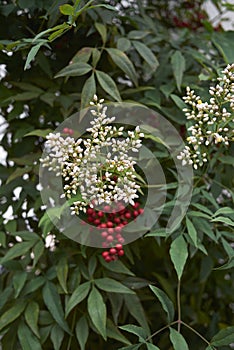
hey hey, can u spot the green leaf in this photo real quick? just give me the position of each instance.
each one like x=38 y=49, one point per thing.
x=135 y=308
x=224 y=220
x=18 y=173
x=178 y=101
x=108 y=85
x=124 y=63
x=74 y=69
x=191 y=231
x=224 y=211
x=57 y=335
x=131 y=347
x=17 y=250
x=39 y=132
x=12 y=314
x=165 y=302
x=113 y=333
x=77 y=296
x=224 y=44
x=82 y=332
x=19 y=280
x=110 y=285
x=151 y=346
x=223 y=337
x=32 y=53
x=179 y=254
x=228 y=265
x=139 y=331
x=178 y=340
x=27 y=339
x=146 y=54
x=117 y=267
x=67 y=10
x=62 y=272
x=38 y=251
x=97 y=311
x=31 y=316
x=102 y=31
x=123 y=44
x=138 y=34
x=178 y=67
x=88 y=91
x=53 y=302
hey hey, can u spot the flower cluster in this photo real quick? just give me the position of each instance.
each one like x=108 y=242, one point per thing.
x=98 y=170
x=210 y=122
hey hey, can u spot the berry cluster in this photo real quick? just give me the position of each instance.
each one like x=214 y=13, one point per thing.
x=68 y=131
x=111 y=225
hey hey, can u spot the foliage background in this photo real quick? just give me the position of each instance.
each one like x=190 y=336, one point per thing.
x=64 y=296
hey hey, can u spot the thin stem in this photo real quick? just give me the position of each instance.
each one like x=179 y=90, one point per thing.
x=179 y=305
x=72 y=328
x=161 y=329
x=197 y=333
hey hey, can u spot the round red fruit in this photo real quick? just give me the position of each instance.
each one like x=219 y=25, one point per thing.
x=109 y=224
x=121 y=252
x=109 y=238
x=128 y=215
x=104 y=234
x=103 y=225
x=100 y=214
x=113 y=251
x=119 y=246
x=108 y=259
x=105 y=254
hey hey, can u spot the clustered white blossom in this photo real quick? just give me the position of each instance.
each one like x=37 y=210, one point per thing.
x=98 y=170
x=211 y=122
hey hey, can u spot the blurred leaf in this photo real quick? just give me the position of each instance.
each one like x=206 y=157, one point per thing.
x=27 y=339
x=102 y=31
x=224 y=220
x=18 y=173
x=74 y=69
x=97 y=311
x=191 y=231
x=225 y=44
x=17 y=250
x=62 y=272
x=39 y=132
x=19 y=281
x=123 y=62
x=12 y=314
x=31 y=316
x=57 y=335
x=123 y=44
x=223 y=337
x=165 y=302
x=32 y=53
x=146 y=54
x=88 y=91
x=135 y=308
x=113 y=333
x=152 y=346
x=79 y=294
x=54 y=305
x=139 y=331
x=179 y=254
x=178 y=67
x=110 y=285
x=66 y=9
x=108 y=85
x=38 y=251
x=178 y=340
x=82 y=332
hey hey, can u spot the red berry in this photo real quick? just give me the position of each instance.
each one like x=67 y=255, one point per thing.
x=121 y=240
x=71 y=132
x=108 y=259
x=121 y=252
x=89 y=211
x=103 y=225
x=109 y=238
x=136 y=205
x=125 y=223
x=104 y=234
x=109 y=224
x=100 y=214
x=105 y=254
x=66 y=130
x=110 y=231
x=90 y=219
x=128 y=215
x=141 y=211
x=119 y=246
x=107 y=208
x=104 y=245
x=117 y=220
x=97 y=222
x=118 y=229
x=113 y=251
